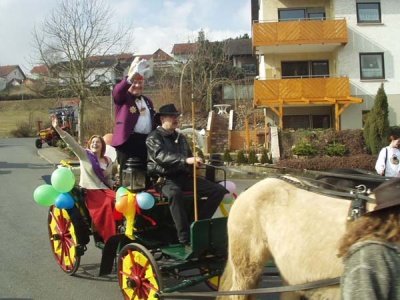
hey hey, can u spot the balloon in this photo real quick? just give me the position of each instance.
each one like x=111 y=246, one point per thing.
x=64 y=201
x=229 y=185
x=63 y=180
x=122 y=204
x=120 y=192
x=111 y=152
x=145 y=200
x=228 y=198
x=45 y=195
x=108 y=138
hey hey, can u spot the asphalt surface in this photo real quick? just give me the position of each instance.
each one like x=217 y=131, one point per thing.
x=54 y=155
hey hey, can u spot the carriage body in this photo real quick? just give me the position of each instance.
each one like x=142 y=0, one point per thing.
x=141 y=264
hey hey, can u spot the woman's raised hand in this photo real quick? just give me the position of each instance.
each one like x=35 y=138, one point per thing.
x=54 y=120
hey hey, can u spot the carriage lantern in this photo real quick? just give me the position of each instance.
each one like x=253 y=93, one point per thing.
x=134 y=176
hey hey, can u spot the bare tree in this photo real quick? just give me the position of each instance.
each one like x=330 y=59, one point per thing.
x=69 y=38
x=209 y=68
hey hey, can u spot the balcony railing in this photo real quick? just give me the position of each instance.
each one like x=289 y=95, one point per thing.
x=302 y=91
x=299 y=32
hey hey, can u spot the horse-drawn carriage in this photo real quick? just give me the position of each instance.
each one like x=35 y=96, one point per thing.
x=151 y=253
x=296 y=223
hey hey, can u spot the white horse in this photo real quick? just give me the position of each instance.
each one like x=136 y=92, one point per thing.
x=299 y=229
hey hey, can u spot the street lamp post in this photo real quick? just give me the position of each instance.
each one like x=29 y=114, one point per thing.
x=180 y=84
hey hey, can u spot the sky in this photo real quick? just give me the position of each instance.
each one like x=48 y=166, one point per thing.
x=155 y=24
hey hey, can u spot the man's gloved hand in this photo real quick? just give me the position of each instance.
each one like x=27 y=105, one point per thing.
x=138 y=67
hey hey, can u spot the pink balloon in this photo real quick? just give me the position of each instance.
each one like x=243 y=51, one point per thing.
x=229 y=185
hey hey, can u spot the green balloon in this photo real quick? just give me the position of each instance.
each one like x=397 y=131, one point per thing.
x=63 y=180
x=120 y=192
x=45 y=195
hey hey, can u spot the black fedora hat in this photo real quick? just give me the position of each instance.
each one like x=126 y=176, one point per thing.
x=387 y=194
x=166 y=110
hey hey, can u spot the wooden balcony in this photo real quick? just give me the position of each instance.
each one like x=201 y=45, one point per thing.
x=278 y=93
x=319 y=91
x=300 y=32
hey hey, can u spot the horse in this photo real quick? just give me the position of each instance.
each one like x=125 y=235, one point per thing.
x=298 y=228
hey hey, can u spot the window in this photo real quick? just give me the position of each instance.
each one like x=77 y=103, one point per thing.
x=316 y=16
x=249 y=69
x=100 y=78
x=307 y=122
x=292 y=14
x=242 y=92
x=372 y=66
x=368 y=12
x=321 y=121
x=295 y=14
x=319 y=68
x=296 y=122
x=305 y=69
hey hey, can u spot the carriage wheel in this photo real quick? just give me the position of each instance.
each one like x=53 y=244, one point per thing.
x=224 y=207
x=213 y=282
x=63 y=240
x=54 y=141
x=138 y=274
x=38 y=143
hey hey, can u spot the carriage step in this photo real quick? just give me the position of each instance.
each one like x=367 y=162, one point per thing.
x=177 y=251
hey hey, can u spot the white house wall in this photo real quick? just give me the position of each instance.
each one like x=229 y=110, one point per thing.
x=370 y=38
x=14 y=74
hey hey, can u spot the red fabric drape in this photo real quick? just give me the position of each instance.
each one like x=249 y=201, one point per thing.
x=100 y=204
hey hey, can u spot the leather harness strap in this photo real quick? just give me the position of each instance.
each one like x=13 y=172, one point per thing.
x=280 y=289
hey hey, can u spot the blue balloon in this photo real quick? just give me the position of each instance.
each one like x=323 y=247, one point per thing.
x=64 y=201
x=145 y=200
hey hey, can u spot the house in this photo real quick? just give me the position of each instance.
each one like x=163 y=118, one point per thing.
x=110 y=69
x=107 y=69
x=182 y=52
x=3 y=83
x=40 y=73
x=12 y=75
x=322 y=62
x=240 y=54
x=159 y=61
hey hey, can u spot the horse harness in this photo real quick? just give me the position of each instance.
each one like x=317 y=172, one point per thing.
x=358 y=196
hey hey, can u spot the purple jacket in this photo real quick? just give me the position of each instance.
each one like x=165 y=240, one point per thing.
x=125 y=117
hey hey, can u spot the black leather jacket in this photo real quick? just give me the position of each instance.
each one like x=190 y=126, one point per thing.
x=167 y=152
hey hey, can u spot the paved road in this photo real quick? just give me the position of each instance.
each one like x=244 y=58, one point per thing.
x=28 y=269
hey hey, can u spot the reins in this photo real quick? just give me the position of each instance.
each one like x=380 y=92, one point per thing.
x=272 y=290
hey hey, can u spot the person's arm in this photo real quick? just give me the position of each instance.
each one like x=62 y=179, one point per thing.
x=158 y=153
x=120 y=92
x=368 y=274
x=138 y=67
x=380 y=164
x=79 y=151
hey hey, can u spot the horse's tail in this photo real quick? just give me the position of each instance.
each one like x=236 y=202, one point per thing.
x=225 y=283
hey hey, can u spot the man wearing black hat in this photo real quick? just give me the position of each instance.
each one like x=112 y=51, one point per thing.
x=170 y=157
x=371 y=249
